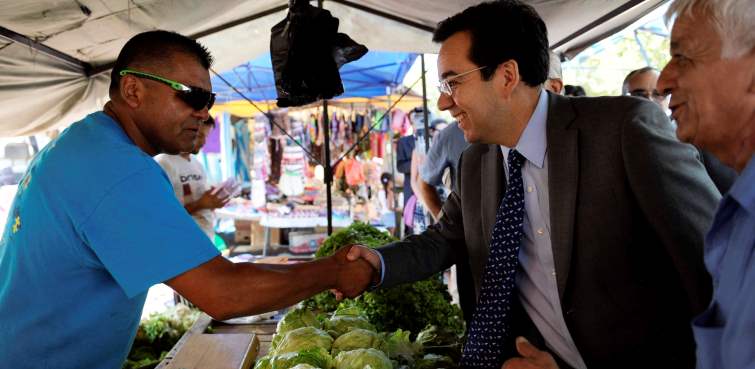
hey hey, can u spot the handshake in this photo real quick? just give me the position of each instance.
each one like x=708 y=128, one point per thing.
x=358 y=268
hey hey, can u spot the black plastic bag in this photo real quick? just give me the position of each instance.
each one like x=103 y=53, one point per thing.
x=306 y=51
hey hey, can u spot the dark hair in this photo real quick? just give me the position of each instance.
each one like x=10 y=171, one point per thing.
x=385 y=178
x=570 y=90
x=210 y=122
x=156 y=47
x=625 y=85
x=502 y=31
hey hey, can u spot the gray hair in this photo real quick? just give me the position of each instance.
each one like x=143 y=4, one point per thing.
x=733 y=19
x=625 y=85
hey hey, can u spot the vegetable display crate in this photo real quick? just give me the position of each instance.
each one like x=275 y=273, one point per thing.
x=210 y=344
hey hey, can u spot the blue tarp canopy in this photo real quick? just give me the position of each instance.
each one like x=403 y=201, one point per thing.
x=367 y=77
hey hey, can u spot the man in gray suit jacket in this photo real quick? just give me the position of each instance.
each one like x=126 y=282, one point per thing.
x=610 y=267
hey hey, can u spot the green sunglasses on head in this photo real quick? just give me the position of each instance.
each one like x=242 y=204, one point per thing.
x=196 y=97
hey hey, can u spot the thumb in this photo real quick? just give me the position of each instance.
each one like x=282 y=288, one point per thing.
x=355 y=252
x=526 y=349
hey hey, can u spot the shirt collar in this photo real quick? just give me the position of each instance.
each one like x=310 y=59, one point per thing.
x=533 y=143
x=743 y=189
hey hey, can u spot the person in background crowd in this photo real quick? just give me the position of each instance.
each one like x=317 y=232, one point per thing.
x=555 y=81
x=95 y=224
x=711 y=79
x=576 y=91
x=642 y=83
x=189 y=180
x=576 y=224
x=404 y=150
x=387 y=199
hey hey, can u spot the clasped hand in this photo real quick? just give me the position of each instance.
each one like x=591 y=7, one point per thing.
x=359 y=269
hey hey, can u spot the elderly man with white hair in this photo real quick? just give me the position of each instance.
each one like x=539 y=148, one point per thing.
x=711 y=78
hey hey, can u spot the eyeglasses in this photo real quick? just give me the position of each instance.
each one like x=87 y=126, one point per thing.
x=647 y=94
x=196 y=97
x=447 y=85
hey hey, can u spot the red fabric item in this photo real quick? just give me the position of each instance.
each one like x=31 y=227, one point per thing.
x=354 y=173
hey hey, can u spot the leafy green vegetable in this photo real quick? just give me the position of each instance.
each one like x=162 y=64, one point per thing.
x=340 y=324
x=356 y=339
x=399 y=347
x=432 y=361
x=356 y=233
x=304 y=366
x=297 y=318
x=361 y=358
x=317 y=357
x=410 y=306
x=438 y=341
x=264 y=362
x=304 y=338
x=157 y=334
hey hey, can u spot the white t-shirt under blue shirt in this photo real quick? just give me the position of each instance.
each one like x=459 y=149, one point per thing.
x=94 y=224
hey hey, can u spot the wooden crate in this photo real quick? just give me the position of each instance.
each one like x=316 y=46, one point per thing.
x=217 y=350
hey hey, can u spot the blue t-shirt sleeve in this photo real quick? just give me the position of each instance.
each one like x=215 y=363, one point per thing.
x=436 y=161
x=142 y=234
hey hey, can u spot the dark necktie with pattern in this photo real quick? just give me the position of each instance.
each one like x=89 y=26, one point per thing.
x=490 y=323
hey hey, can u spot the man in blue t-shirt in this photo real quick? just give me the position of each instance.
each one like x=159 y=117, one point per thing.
x=95 y=223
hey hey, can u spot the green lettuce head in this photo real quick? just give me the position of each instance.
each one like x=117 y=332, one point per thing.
x=297 y=318
x=304 y=366
x=362 y=358
x=355 y=339
x=316 y=357
x=263 y=363
x=398 y=346
x=340 y=324
x=432 y=361
x=304 y=338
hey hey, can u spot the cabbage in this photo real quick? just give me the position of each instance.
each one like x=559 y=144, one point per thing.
x=263 y=363
x=432 y=361
x=398 y=346
x=277 y=338
x=340 y=324
x=363 y=358
x=304 y=366
x=304 y=338
x=316 y=357
x=356 y=339
x=297 y=318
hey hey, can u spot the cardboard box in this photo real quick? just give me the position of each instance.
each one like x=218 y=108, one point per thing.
x=301 y=242
x=243 y=233
x=258 y=235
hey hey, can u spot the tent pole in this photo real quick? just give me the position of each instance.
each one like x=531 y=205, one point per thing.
x=328 y=167
x=424 y=104
x=396 y=229
x=10 y=35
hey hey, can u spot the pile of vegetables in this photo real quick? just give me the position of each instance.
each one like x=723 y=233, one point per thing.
x=374 y=330
x=410 y=306
x=345 y=339
x=158 y=334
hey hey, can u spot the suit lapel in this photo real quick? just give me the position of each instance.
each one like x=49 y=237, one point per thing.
x=563 y=174
x=493 y=187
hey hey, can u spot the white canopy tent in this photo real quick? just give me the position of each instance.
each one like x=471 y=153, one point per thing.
x=55 y=55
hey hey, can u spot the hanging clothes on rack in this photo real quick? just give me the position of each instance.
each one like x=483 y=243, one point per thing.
x=276 y=143
x=293 y=170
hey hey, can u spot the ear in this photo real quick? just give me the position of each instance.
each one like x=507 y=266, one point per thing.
x=555 y=85
x=132 y=91
x=506 y=78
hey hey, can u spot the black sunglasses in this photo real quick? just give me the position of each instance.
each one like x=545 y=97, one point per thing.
x=196 y=97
